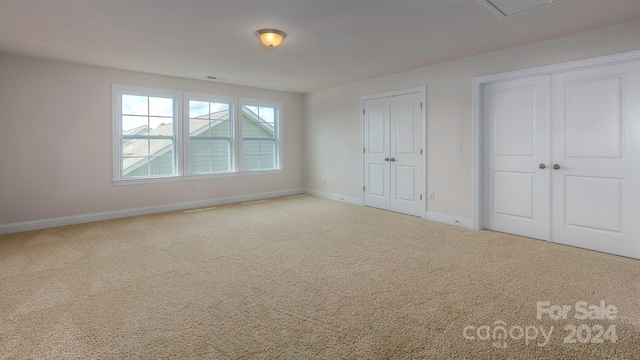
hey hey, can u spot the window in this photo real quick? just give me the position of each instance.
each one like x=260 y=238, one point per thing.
x=154 y=139
x=210 y=136
x=146 y=133
x=259 y=137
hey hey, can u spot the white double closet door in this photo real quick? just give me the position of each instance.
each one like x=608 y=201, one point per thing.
x=561 y=158
x=393 y=135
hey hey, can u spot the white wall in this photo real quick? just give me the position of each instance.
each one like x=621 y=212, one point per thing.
x=56 y=146
x=332 y=117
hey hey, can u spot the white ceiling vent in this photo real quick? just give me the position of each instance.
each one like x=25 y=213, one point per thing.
x=504 y=8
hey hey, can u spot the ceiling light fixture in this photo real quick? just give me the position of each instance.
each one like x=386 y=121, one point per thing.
x=271 y=37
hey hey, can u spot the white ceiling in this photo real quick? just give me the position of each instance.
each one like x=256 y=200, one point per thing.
x=329 y=42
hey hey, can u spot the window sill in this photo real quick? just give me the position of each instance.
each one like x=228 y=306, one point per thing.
x=121 y=182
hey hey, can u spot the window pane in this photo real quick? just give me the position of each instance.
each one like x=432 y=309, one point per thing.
x=266 y=121
x=160 y=147
x=162 y=165
x=264 y=113
x=250 y=147
x=220 y=163
x=267 y=147
x=221 y=128
x=208 y=110
x=209 y=155
x=160 y=106
x=250 y=128
x=199 y=127
x=207 y=147
x=161 y=126
x=209 y=128
x=209 y=119
x=140 y=169
x=135 y=125
x=135 y=105
x=267 y=162
x=135 y=147
x=250 y=162
x=251 y=110
x=210 y=164
x=200 y=147
x=200 y=164
x=199 y=109
x=220 y=147
x=219 y=109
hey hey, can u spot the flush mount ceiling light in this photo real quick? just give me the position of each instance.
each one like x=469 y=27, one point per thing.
x=271 y=37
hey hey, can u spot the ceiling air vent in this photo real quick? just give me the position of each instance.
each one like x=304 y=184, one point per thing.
x=505 y=8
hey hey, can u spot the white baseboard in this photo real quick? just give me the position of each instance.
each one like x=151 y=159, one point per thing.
x=78 y=219
x=448 y=219
x=350 y=200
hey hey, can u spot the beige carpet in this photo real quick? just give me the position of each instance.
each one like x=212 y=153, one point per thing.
x=304 y=278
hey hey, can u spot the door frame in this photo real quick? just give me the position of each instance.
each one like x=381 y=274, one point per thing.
x=422 y=90
x=477 y=85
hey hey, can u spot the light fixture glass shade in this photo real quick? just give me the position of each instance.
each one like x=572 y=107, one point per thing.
x=271 y=37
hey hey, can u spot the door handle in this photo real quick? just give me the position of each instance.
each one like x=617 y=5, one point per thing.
x=386 y=159
x=543 y=166
x=393 y=159
x=556 y=166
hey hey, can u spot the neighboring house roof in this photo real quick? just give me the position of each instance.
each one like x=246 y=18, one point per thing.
x=141 y=148
x=198 y=127
x=136 y=152
x=140 y=130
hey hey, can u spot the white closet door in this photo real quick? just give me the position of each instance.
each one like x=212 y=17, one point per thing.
x=596 y=145
x=406 y=160
x=377 y=166
x=516 y=157
x=393 y=130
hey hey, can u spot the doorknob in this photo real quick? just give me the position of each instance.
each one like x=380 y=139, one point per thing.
x=393 y=159
x=386 y=159
x=556 y=166
x=543 y=166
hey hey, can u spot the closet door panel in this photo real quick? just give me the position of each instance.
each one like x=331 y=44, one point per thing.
x=516 y=157
x=377 y=140
x=596 y=202
x=406 y=160
x=593 y=117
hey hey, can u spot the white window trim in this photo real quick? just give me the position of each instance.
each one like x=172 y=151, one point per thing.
x=117 y=91
x=276 y=131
